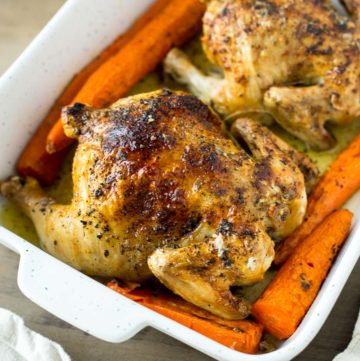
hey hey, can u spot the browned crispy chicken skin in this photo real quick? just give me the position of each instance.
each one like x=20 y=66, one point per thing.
x=298 y=60
x=160 y=190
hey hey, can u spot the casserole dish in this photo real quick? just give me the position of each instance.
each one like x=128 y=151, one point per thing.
x=76 y=34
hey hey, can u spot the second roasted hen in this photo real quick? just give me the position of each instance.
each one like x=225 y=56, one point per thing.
x=160 y=190
x=298 y=60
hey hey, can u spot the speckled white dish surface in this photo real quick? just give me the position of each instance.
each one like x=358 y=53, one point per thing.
x=79 y=31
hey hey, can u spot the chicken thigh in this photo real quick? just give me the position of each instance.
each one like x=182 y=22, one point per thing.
x=296 y=60
x=159 y=189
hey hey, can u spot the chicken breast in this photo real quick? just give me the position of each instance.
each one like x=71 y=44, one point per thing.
x=159 y=189
x=298 y=61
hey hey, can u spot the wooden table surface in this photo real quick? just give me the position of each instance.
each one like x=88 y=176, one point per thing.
x=20 y=20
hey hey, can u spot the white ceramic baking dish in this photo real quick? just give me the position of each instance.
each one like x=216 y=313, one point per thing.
x=79 y=31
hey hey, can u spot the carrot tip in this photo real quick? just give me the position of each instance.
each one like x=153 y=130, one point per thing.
x=50 y=148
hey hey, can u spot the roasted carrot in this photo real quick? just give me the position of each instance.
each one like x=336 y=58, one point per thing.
x=290 y=294
x=35 y=161
x=178 y=22
x=337 y=185
x=242 y=336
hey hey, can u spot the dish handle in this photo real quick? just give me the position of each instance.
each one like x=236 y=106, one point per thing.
x=71 y=295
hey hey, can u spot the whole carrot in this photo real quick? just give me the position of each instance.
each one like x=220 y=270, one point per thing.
x=241 y=335
x=35 y=161
x=289 y=295
x=336 y=186
x=178 y=22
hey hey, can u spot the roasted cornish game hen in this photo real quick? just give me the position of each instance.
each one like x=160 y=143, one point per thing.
x=159 y=189
x=298 y=60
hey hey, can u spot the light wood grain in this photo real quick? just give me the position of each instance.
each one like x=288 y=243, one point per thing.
x=20 y=21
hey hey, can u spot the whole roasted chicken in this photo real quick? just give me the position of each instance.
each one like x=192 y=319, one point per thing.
x=159 y=189
x=297 y=60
